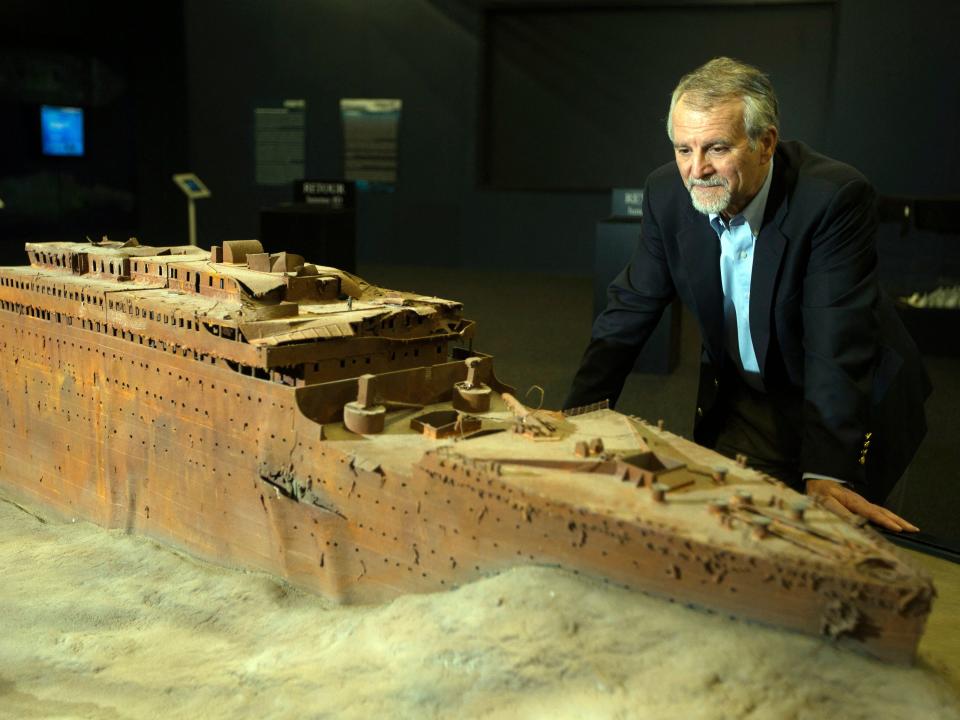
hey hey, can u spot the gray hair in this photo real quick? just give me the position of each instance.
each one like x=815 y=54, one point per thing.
x=723 y=79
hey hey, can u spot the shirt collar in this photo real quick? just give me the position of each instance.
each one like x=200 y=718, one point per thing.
x=752 y=214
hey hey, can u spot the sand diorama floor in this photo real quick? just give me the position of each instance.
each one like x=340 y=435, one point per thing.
x=98 y=624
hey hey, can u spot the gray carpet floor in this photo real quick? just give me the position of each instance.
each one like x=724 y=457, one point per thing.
x=536 y=327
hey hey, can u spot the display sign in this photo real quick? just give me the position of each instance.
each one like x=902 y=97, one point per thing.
x=370 y=139
x=627 y=202
x=280 y=142
x=336 y=194
x=191 y=186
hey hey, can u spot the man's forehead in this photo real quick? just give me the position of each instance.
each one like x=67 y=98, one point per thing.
x=724 y=118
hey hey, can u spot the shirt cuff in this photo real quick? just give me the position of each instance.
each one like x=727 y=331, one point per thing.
x=817 y=476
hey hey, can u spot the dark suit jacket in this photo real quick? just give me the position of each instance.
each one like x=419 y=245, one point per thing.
x=826 y=338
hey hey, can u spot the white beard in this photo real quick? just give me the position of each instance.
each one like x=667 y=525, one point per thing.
x=717 y=202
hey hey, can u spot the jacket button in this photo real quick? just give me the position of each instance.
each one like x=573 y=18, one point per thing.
x=699 y=412
x=716 y=383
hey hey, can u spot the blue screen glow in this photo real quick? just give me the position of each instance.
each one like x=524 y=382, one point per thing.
x=61 y=129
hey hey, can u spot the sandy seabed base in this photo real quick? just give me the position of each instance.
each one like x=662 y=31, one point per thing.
x=99 y=624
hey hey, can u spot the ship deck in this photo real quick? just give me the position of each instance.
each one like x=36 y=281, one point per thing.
x=531 y=465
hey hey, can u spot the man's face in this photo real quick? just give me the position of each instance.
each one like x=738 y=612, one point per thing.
x=715 y=159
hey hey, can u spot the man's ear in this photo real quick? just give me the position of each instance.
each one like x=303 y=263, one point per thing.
x=768 y=143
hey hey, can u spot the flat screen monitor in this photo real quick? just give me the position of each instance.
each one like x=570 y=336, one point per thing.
x=61 y=130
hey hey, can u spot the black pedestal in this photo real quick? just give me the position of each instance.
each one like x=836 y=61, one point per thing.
x=323 y=236
x=616 y=241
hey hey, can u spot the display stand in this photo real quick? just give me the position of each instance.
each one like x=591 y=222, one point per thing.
x=195 y=190
x=320 y=225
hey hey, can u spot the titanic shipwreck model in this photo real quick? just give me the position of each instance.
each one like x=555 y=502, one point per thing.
x=260 y=411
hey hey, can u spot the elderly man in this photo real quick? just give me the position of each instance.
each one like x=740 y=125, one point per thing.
x=806 y=367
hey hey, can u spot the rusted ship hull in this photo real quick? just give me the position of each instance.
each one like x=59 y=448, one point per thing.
x=255 y=474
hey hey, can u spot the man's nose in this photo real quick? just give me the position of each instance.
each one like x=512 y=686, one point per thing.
x=700 y=167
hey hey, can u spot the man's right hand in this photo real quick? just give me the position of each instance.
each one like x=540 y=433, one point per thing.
x=846 y=503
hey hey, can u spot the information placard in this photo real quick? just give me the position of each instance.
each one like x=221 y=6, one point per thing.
x=280 y=142
x=370 y=137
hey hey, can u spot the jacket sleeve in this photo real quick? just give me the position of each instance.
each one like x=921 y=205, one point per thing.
x=840 y=335
x=635 y=301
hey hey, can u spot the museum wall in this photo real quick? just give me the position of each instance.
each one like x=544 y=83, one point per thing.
x=172 y=87
x=889 y=109
x=246 y=54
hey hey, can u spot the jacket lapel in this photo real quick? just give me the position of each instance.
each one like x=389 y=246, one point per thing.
x=700 y=250
x=767 y=259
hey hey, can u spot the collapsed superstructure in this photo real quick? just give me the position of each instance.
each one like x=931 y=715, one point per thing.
x=261 y=411
x=259 y=314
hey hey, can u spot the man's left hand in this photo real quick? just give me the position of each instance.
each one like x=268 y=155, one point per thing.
x=846 y=503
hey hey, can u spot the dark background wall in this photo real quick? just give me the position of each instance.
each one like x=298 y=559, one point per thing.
x=868 y=82
x=553 y=75
x=888 y=107
x=124 y=66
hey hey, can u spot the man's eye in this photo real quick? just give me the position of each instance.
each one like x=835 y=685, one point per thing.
x=682 y=151
x=719 y=149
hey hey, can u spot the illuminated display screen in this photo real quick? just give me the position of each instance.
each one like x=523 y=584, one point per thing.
x=61 y=130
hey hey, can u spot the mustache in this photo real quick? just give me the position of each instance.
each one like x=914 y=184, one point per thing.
x=715 y=181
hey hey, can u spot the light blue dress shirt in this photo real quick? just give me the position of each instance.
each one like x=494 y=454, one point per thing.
x=738 y=237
